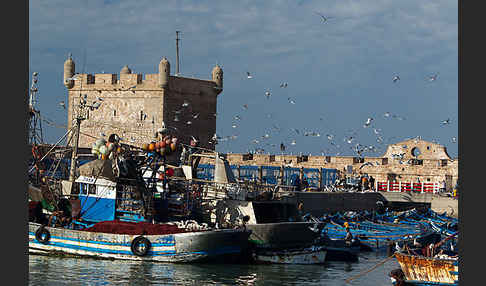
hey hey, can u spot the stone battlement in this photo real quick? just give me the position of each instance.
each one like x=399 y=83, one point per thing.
x=106 y=81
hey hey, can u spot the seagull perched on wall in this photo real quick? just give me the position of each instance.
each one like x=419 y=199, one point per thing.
x=396 y=78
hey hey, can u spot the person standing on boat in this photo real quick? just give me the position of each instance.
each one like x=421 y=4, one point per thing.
x=305 y=184
x=300 y=208
x=297 y=184
x=349 y=237
x=372 y=183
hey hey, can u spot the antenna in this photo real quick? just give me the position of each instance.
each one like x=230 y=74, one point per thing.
x=177 y=52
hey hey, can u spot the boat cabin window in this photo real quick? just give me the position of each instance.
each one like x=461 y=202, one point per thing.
x=87 y=189
x=83 y=189
x=92 y=189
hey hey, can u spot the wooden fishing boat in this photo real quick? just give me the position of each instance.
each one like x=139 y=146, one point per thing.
x=186 y=246
x=131 y=228
x=311 y=255
x=339 y=250
x=420 y=270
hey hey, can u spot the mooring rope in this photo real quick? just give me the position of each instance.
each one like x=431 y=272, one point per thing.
x=369 y=270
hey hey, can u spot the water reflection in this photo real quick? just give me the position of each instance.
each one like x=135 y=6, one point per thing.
x=46 y=270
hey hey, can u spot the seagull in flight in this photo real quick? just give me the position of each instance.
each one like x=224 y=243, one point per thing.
x=396 y=78
x=62 y=104
x=433 y=77
x=283 y=85
x=267 y=94
x=368 y=122
x=323 y=18
x=445 y=122
x=248 y=75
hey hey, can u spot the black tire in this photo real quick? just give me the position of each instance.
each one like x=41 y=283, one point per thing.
x=42 y=235
x=140 y=246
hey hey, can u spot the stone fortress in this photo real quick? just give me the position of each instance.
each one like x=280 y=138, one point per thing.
x=135 y=106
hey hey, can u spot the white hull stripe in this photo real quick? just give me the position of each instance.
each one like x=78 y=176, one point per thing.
x=31 y=234
x=160 y=251
x=99 y=247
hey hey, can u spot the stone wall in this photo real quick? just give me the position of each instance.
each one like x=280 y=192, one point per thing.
x=135 y=105
x=433 y=165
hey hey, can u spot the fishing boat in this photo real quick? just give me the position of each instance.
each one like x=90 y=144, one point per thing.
x=112 y=226
x=112 y=210
x=311 y=255
x=341 y=250
x=180 y=247
x=420 y=270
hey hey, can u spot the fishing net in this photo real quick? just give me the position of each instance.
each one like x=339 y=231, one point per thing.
x=134 y=228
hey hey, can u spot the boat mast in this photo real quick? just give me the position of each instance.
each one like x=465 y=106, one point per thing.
x=80 y=111
x=35 y=128
x=74 y=155
x=177 y=53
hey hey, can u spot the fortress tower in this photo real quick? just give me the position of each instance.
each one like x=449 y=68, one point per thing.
x=135 y=105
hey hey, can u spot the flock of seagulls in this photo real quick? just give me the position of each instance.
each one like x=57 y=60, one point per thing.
x=351 y=140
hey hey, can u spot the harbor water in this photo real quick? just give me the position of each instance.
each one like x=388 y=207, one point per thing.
x=51 y=270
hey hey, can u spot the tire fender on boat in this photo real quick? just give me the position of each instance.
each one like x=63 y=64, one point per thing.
x=42 y=235
x=140 y=246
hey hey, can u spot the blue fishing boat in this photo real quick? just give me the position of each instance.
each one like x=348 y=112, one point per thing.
x=190 y=246
x=118 y=219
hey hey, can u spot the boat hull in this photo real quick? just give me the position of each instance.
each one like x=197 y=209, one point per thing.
x=283 y=235
x=305 y=256
x=419 y=270
x=178 y=248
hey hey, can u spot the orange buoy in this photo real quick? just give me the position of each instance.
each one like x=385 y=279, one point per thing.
x=173 y=146
x=162 y=144
x=151 y=147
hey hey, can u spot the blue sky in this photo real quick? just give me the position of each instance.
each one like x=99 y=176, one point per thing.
x=338 y=72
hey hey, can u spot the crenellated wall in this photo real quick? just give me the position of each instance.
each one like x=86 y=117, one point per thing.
x=135 y=105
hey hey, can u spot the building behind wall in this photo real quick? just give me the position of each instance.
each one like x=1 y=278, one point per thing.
x=135 y=106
